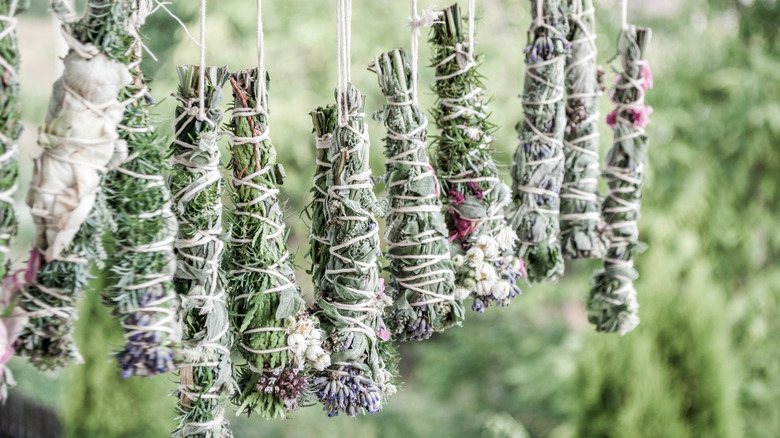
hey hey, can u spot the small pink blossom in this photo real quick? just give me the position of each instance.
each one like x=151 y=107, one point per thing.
x=383 y=333
x=612 y=118
x=641 y=117
x=475 y=188
x=646 y=76
x=437 y=187
x=382 y=285
x=617 y=79
x=462 y=227
x=457 y=197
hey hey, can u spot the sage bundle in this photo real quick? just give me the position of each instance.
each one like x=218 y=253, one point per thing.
x=612 y=305
x=278 y=340
x=10 y=126
x=140 y=288
x=78 y=140
x=324 y=121
x=581 y=236
x=352 y=296
x=538 y=164
x=205 y=378
x=483 y=245
x=423 y=279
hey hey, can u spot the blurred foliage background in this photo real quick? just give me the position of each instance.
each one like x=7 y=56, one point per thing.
x=705 y=361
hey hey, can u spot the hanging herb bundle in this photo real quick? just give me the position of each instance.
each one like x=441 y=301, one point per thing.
x=474 y=195
x=78 y=140
x=205 y=379
x=580 y=205
x=142 y=263
x=538 y=165
x=10 y=126
x=612 y=305
x=352 y=296
x=324 y=121
x=423 y=274
x=278 y=340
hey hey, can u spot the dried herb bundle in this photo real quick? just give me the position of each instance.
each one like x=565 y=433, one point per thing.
x=142 y=263
x=537 y=168
x=423 y=278
x=352 y=295
x=78 y=140
x=473 y=193
x=279 y=341
x=324 y=121
x=580 y=205
x=11 y=319
x=205 y=379
x=612 y=305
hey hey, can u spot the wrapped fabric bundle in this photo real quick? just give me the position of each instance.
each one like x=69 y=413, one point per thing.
x=537 y=168
x=205 y=379
x=581 y=236
x=78 y=140
x=352 y=296
x=140 y=282
x=324 y=121
x=423 y=280
x=612 y=305
x=280 y=342
x=483 y=245
x=11 y=316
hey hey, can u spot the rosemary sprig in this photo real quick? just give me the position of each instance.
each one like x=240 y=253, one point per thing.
x=324 y=120
x=352 y=297
x=538 y=165
x=78 y=139
x=612 y=305
x=423 y=279
x=196 y=185
x=278 y=340
x=142 y=263
x=474 y=195
x=581 y=236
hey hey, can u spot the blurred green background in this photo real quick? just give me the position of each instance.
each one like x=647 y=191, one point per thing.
x=704 y=362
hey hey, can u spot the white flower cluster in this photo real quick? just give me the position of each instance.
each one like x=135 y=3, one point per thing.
x=305 y=342
x=484 y=256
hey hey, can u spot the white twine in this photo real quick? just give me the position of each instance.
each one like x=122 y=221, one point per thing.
x=344 y=28
x=624 y=14
x=202 y=69
x=416 y=23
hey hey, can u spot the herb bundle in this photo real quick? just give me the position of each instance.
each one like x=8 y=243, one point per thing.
x=324 y=121
x=538 y=165
x=423 y=279
x=473 y=193
x=580 y=205
x=78 y=140
x=10 y=126
x=352 y=296
x=612 y=305
x=142 y=263
x=196 y=185
x=278 y=340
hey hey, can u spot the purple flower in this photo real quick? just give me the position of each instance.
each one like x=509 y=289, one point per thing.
x=641 y=117
x=457 y=197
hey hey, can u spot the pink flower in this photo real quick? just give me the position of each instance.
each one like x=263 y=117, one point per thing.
x=383 y=333
x=457 y=197
x=475 y=188
x=382 y=284
x=646 y=76
x=617 y=79
x=641 y=117
x=612 y=118
x=462 y=227
x=437 y=188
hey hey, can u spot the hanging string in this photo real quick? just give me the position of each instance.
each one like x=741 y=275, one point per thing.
x=344 y=27
x=472 y=12
x=202 y=69
x=416 y=23
x=624 y=15
x=539 y=13
x=261 y=99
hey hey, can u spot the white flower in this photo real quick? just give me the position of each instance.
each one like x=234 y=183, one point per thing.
x=506 y=238
x=484 y=287
x=475 y=256
x=489 y=246
x=297 y=344
x=486 y=272
x=322 y=362
x=458 y=259
x=501 y=289
x=461 y=293
x=318 y=357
